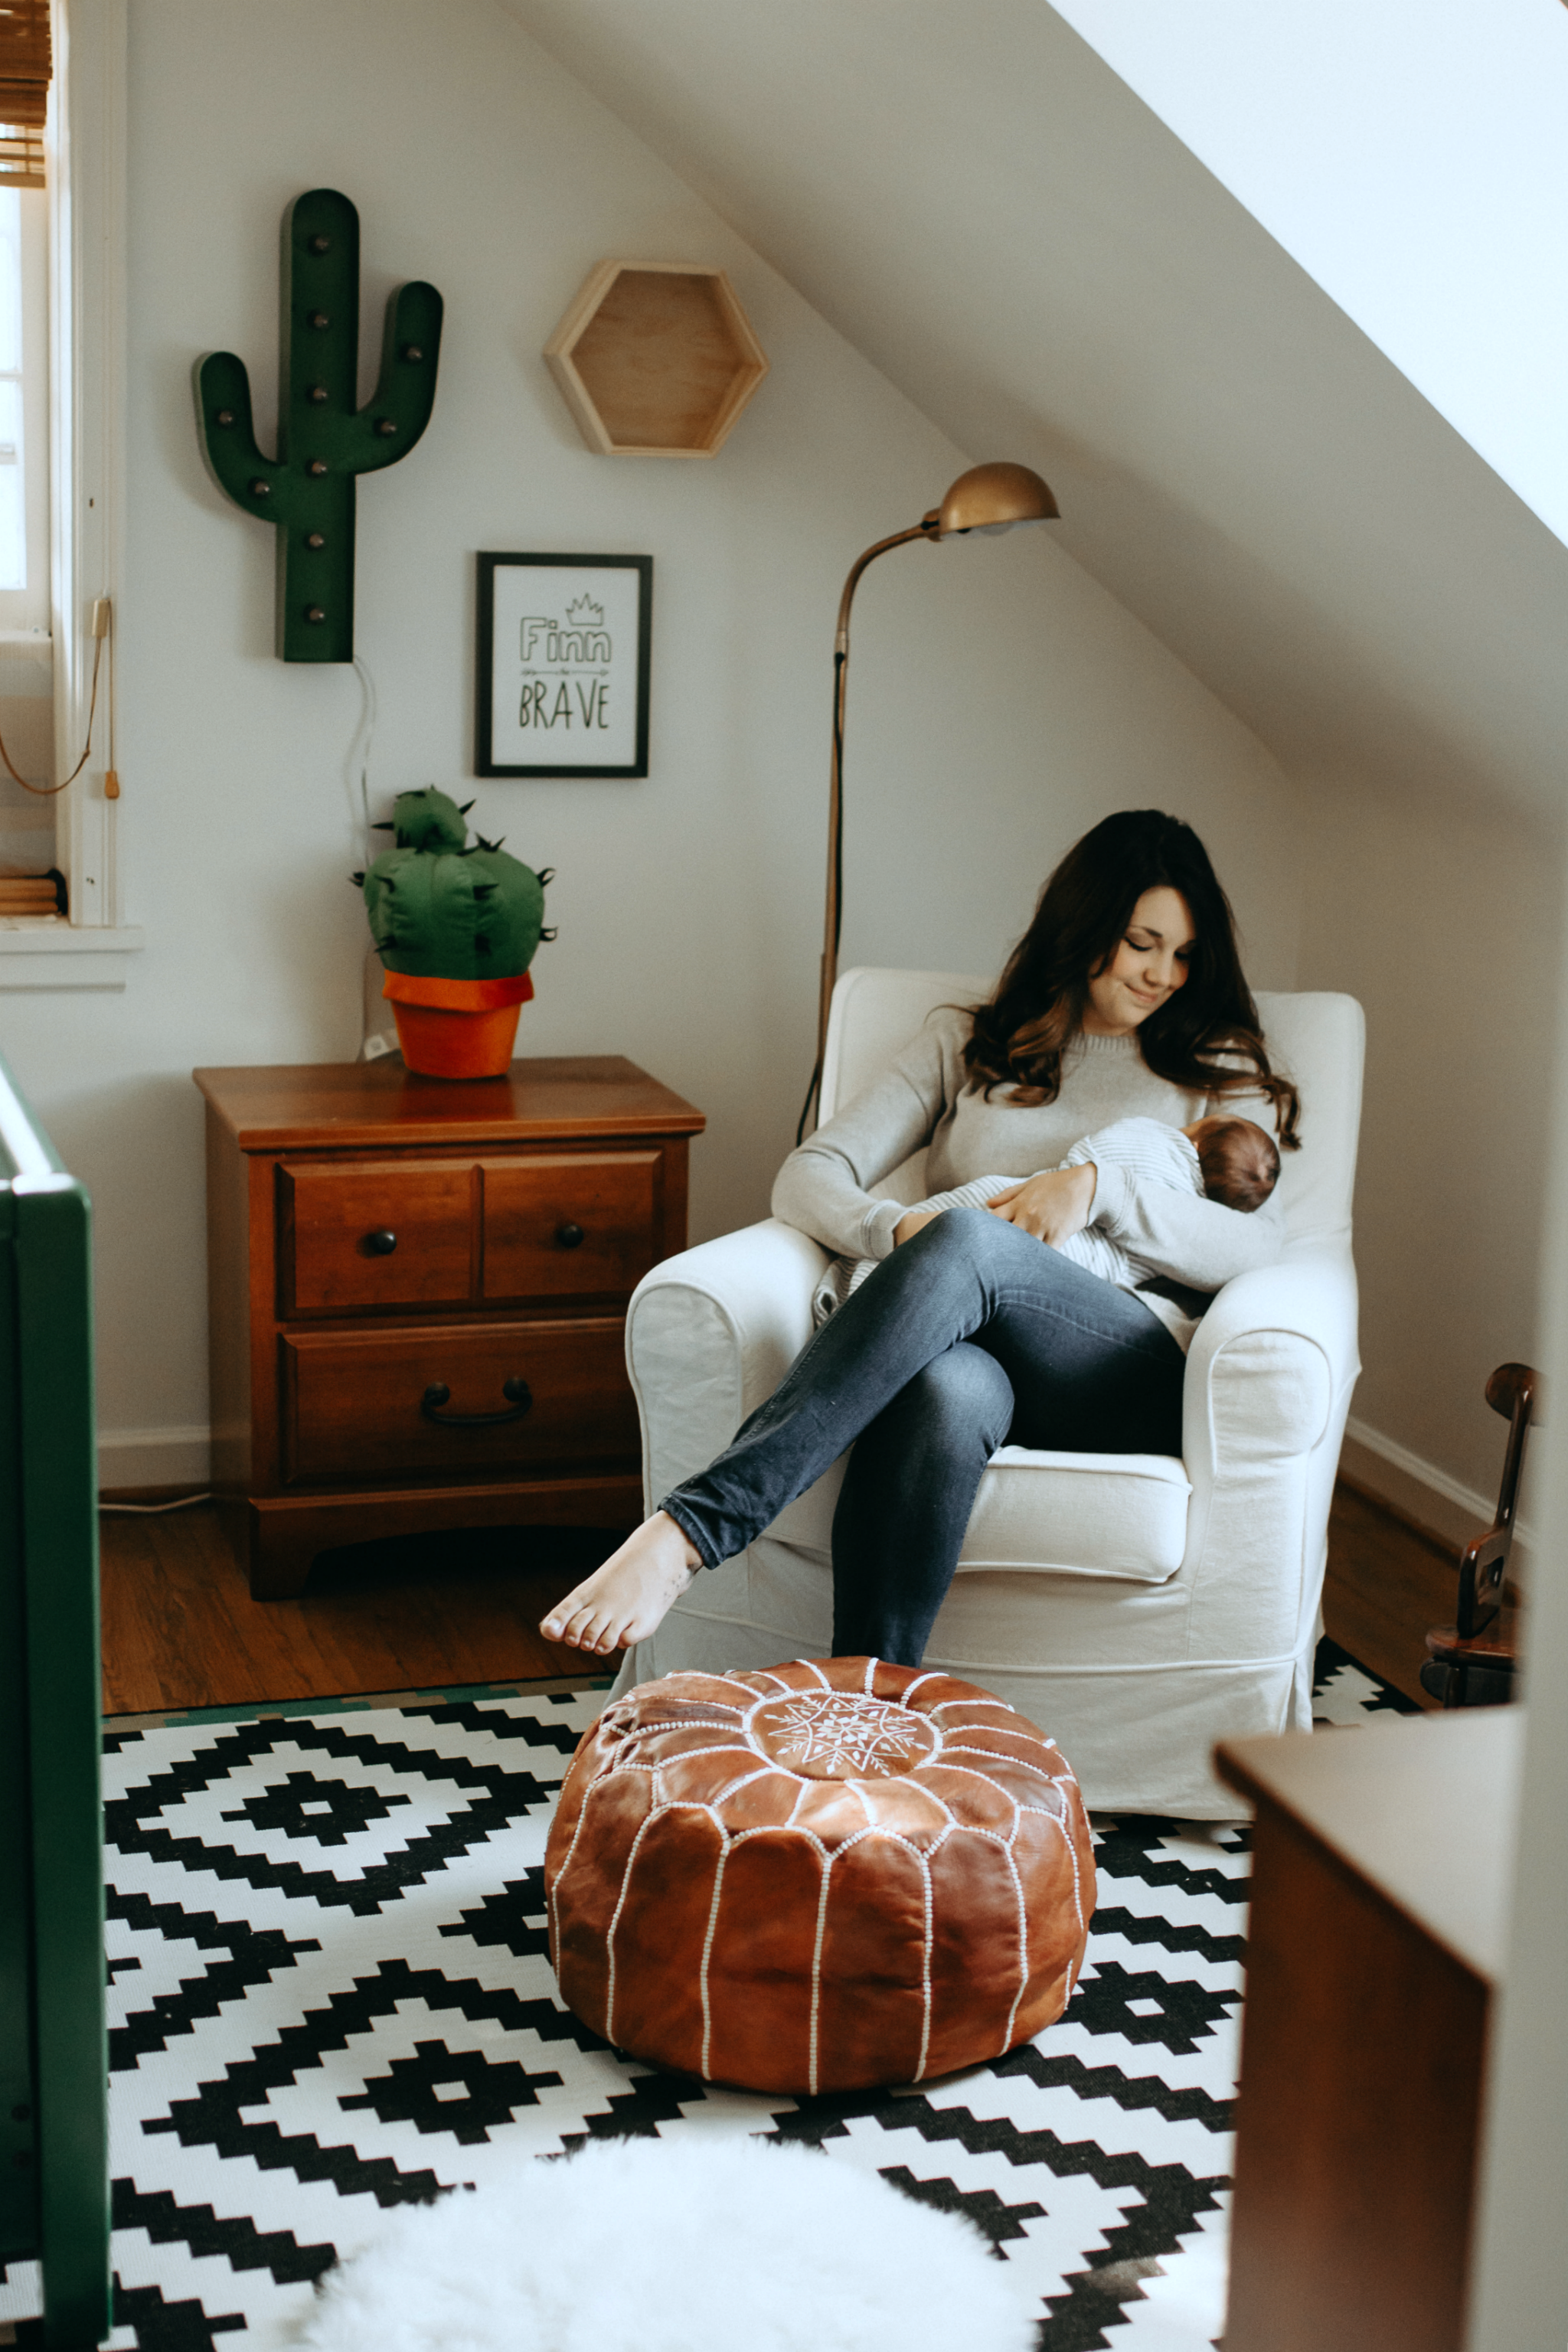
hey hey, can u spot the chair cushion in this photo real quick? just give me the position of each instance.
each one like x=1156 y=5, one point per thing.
x=817 y=1876
x=1088 y=1513
x=1121 y=1515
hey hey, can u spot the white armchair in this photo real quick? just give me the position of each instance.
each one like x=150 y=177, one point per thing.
x=1138 y=1607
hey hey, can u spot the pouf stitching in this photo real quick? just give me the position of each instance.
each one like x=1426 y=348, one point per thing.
x=845 y=1701
x=733 y=1839
x=676 y=1805
x=736 y=1738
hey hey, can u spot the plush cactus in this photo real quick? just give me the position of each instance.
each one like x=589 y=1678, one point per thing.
x=441 y=910
x=308 y=491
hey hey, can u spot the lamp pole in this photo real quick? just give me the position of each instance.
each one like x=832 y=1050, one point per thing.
x=989 y=499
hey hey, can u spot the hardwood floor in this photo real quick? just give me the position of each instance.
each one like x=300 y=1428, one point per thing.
x=1387 y=1581
x=180 y=1628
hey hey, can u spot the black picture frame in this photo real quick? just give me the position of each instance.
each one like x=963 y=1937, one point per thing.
x=573 y=694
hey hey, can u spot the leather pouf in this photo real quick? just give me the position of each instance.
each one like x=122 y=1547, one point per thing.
x=817 y=1877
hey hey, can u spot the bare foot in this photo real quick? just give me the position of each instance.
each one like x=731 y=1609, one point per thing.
x=626 y=1597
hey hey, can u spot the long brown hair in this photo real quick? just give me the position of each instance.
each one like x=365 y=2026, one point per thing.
x=1201 y=1032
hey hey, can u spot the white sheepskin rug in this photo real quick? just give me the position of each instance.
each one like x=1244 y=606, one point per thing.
x=645 y=2245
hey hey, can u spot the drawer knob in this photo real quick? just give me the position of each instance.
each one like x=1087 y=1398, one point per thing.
x=517 y=1392
x=569 y=1236
x=381 y=1244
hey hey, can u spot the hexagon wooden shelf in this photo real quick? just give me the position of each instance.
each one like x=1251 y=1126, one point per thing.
x=656 y=359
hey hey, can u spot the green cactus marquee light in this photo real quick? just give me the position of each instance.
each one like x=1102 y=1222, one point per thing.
x=323 y=441
x=439 y=909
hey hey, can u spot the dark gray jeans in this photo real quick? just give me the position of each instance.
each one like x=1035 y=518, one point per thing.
x=973 y=1335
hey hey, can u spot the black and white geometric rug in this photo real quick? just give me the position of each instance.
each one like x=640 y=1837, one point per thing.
x=330 y=1994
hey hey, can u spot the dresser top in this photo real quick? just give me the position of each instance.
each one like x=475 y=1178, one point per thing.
x=1422 y=1809
x=292 y=1107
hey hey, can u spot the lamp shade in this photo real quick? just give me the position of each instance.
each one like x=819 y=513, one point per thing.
x=993 y=497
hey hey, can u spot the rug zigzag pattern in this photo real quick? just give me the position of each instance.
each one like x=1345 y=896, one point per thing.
x=332 y=1995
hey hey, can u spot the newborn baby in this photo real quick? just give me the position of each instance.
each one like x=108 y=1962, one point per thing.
x=1224 y=1159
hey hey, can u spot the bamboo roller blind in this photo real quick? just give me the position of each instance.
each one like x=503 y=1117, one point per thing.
x=25 y=68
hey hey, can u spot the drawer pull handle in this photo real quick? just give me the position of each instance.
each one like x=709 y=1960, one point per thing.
x=518 y=1394
x=569 y=1236
x=381 y=1244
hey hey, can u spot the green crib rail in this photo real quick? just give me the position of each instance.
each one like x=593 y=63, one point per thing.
x=54 y=2153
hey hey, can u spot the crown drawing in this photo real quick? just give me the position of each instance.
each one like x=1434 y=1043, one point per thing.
x=585 y=613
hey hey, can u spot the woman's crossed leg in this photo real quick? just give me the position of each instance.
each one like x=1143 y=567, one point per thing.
x=1068 y=1361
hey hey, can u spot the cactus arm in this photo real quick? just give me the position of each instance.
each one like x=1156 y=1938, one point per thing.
x=405 y=390
x=223 y=392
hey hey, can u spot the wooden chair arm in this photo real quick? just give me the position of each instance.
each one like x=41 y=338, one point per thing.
x=1514 y=1392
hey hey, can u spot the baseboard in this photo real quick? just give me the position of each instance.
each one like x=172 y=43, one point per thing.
x=153 y=1457
x=1444 y=1505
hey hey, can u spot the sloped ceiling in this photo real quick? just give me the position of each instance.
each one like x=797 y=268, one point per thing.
x=973 y=198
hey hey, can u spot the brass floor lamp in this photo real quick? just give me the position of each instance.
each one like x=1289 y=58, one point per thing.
x=987 y=499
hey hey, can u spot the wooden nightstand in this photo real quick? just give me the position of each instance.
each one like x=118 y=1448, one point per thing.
x=417 y=1292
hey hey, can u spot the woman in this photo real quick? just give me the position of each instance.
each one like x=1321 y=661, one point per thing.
x=1124 y=997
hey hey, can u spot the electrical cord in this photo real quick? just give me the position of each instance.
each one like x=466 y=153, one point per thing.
x=150 y=1510
x=366 y=728
x=47 y=791
x=373 y=1041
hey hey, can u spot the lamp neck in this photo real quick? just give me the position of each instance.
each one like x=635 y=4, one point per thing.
x=924 y=529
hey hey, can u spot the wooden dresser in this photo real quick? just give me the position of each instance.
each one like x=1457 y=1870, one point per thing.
x=418 y=1290
x=1380 y=1884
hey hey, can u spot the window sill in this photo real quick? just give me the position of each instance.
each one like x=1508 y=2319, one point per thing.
x=48 y=953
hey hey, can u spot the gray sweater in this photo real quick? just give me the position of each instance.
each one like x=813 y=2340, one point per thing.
x=825 y=1186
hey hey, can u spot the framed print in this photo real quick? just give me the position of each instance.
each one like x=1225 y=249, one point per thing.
x=562 y=681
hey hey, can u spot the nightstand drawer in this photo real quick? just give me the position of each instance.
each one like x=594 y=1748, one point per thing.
x=375 y=1234
x=522 y=1396
x=571 y=1223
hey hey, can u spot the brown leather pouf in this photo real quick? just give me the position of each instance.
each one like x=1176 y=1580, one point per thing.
x=817 y=1877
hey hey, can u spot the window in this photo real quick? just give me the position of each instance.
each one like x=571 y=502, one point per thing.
x=28 y=840
x=69 y=258
x=24 y=409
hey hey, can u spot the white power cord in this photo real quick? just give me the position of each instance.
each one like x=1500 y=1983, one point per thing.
x=150 y=1510
x=363 y=740
x=378 y=1034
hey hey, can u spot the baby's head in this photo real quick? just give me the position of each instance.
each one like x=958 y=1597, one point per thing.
x=1239 y=1162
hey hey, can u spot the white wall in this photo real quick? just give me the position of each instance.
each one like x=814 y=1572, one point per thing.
x=991 y=214
x=1446 y=924
x=1519 y=2293
x=1001 y=700
x=1411 y=156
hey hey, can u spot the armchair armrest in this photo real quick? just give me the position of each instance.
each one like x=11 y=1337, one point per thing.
x=1270 y=1359
x=710 y=1334
x=1311 y=1295
x=1268 y=1387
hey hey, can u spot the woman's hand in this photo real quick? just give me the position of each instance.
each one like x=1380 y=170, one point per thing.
x=1053 y=1206
x=911 y=1222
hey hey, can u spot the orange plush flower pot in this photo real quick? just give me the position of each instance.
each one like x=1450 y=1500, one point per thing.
x=457 y=1028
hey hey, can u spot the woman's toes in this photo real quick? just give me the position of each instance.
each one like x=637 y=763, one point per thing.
x=558 y=1626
